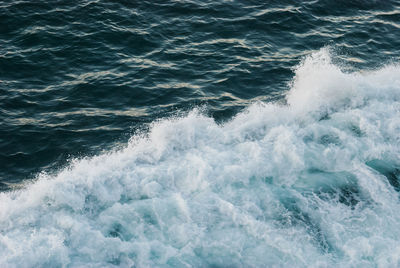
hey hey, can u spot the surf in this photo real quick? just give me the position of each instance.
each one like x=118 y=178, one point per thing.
x=312 y=182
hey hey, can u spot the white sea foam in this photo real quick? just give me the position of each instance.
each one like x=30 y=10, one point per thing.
x=310 y=184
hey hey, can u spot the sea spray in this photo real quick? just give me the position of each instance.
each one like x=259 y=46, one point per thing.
x=313 y=183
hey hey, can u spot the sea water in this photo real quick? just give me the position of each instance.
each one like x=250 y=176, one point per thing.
x=199 y=133
x=313 y=182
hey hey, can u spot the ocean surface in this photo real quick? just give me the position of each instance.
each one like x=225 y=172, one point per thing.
x=200 y=133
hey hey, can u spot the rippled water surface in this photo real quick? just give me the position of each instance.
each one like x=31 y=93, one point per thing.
x=199 y=133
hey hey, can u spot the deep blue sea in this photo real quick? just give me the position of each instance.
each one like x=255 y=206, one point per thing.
x=187 y=133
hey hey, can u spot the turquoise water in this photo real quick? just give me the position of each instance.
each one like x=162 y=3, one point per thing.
x=195 y=134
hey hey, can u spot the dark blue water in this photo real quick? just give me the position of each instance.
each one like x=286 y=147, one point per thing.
x=199 y=133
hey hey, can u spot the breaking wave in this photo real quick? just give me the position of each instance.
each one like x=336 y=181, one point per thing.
x=314 y=182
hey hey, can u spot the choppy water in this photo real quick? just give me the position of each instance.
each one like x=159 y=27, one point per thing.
x=200 y=134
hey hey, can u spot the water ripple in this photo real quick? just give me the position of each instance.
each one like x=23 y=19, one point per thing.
x=115 y=66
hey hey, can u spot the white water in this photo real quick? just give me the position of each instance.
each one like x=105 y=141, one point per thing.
x=310 y=184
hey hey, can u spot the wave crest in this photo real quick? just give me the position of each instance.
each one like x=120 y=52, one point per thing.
x=311 y=183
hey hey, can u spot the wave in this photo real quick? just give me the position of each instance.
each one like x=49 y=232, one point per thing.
x=314 y=182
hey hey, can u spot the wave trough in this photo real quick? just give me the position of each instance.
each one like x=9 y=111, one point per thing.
x=314 y=182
